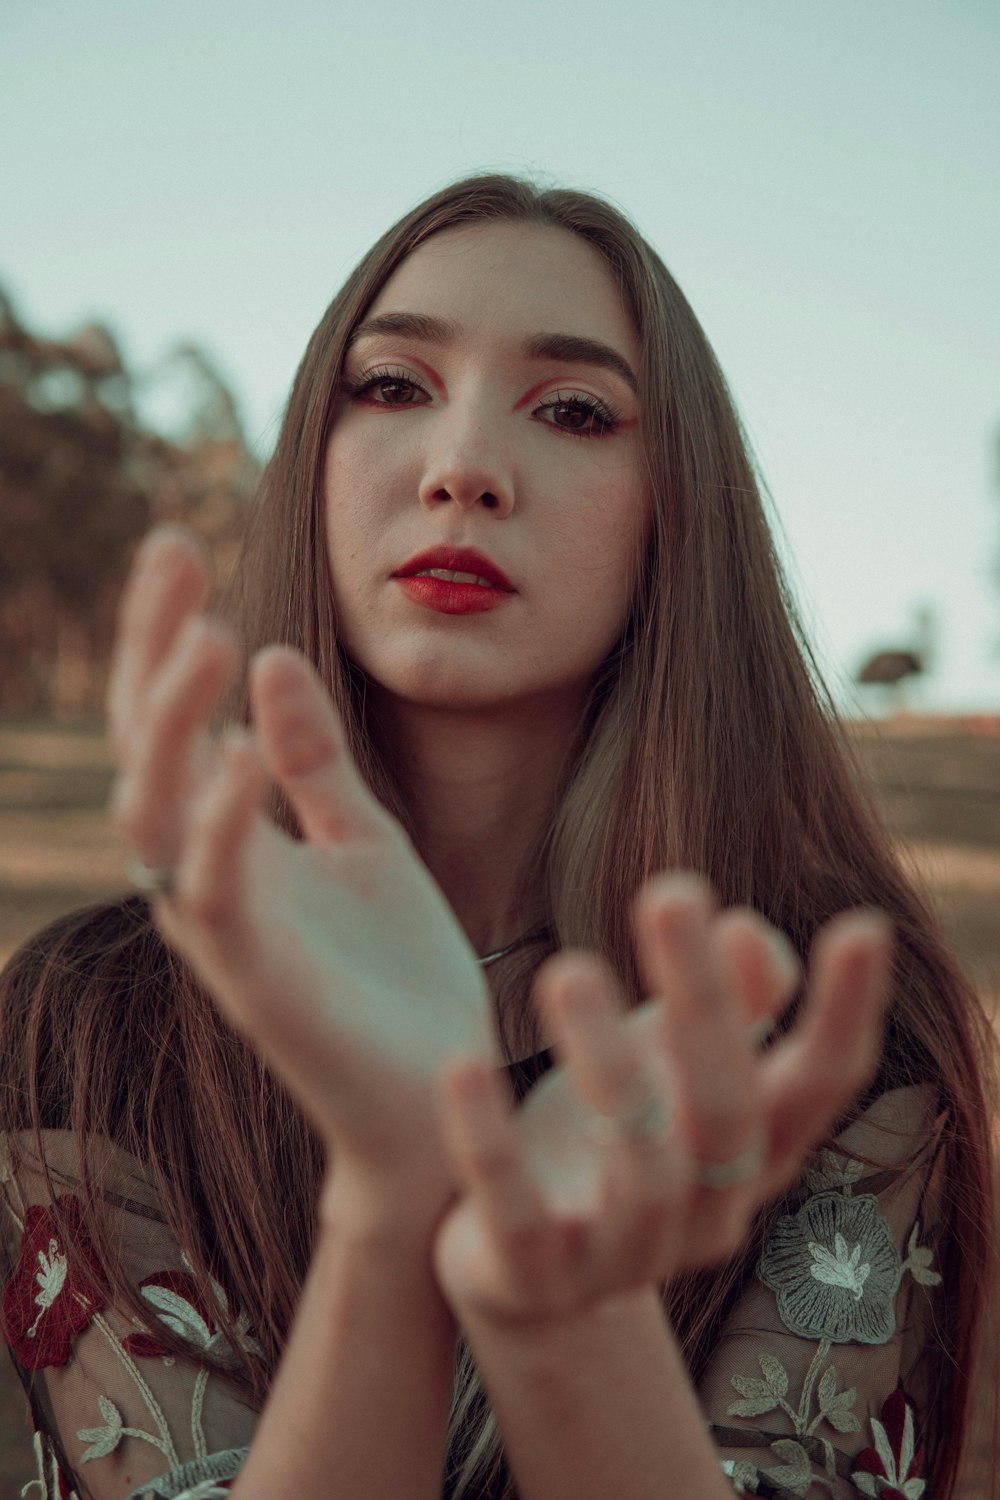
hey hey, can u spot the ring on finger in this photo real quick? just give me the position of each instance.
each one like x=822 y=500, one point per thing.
x=161 y=881
x=717 y=1176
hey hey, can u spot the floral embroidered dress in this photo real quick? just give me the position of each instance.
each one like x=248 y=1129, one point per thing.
x=114 y=1417
x=814 y=1389
x=816 y=1386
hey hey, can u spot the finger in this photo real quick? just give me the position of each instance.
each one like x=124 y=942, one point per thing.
x=709 y=1035
x=672 y=917
x=628 y=1080
x=811 y=1078
x=478 y=1130
x=614 y=1068
x=211 y=875
x=303 y=745
x=761 y=966
x=148 y=800
x=169 y=582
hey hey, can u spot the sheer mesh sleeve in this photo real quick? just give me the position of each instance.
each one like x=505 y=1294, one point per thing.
x=114 y=1416
x=815 y=1388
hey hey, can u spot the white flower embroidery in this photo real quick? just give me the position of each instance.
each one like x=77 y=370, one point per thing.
x=834 y=1269
x=183 y=1318
x=843 y=1268
x=918 y=1260
x=51 y=1279
x=180 y=1316
x=877 y=1484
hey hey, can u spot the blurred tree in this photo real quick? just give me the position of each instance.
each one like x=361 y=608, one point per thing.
x=80 y=482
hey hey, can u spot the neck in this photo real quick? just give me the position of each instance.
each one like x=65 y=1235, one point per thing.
x=482 y=786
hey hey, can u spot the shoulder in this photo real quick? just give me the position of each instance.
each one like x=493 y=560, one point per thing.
x=80 y=994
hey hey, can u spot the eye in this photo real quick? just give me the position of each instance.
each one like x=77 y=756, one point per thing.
x=387 y=387
x=580 y=415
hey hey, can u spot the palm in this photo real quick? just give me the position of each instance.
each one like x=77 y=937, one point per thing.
x=551 y=1221
x=348 y=965
x=337 y=953
x=552 y=1125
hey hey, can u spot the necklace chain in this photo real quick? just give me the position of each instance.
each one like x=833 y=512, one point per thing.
x=521 y=942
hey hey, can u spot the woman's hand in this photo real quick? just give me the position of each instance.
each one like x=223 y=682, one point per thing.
x=552 y=1221
x=337 y=955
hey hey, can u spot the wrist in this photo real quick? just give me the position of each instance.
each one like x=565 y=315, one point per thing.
x=366 y=1208
x=560 y=1332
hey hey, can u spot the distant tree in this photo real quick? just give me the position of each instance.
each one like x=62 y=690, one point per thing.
x=204 y=409
x=80 y=482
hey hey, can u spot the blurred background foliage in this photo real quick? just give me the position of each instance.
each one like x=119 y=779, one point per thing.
x=81 y=481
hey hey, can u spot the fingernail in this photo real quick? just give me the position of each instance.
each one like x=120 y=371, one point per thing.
x=868 y=922
x=785 y=958
x=153 y=540
x=680 y=886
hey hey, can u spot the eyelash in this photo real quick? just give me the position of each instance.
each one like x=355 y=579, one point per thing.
x=608 y=420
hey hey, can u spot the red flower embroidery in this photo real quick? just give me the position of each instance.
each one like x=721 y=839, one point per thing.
x=891 y=1470
x=178 y=1303
x=174 y=1297
x=50 y=1299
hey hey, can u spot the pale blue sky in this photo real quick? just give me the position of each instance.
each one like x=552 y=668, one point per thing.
x=822 y=177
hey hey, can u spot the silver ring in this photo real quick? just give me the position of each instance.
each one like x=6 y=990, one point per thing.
x=152 y=882
x=648 y=1123
x=719 y=1175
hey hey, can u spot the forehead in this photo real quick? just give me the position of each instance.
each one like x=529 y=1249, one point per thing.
x=515 y=278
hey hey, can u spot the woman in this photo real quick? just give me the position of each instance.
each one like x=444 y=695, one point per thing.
x=299 y=1239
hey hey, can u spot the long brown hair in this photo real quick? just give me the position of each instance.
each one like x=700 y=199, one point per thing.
x=708 y=743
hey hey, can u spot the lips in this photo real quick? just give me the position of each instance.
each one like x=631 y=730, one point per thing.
x=458 y=560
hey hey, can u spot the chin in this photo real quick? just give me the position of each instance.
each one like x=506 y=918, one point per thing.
x=456 y=695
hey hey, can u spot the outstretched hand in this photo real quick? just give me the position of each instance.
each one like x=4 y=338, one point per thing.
x=560 y=1210
x=337 y=954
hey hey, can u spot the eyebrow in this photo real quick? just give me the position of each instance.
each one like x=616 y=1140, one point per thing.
x=569 y=347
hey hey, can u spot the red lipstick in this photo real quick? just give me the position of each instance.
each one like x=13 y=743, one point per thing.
x=448 y=597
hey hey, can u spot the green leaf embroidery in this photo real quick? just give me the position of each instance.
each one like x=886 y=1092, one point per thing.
x=758 y=1398
x=761 y=1395
x=745 y=1476
x=836 y=1408
x=774 y=1373
x=797 y=1473
x=102 y=1440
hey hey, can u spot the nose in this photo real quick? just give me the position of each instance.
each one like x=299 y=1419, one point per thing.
x=468 y=467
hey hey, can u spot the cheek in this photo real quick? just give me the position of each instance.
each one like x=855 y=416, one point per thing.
x=357 y=491
x=602 y=526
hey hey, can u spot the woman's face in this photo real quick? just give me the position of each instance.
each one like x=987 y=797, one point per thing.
x=488 y=403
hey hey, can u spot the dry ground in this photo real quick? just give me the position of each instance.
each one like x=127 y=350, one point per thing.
x=938 y=781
